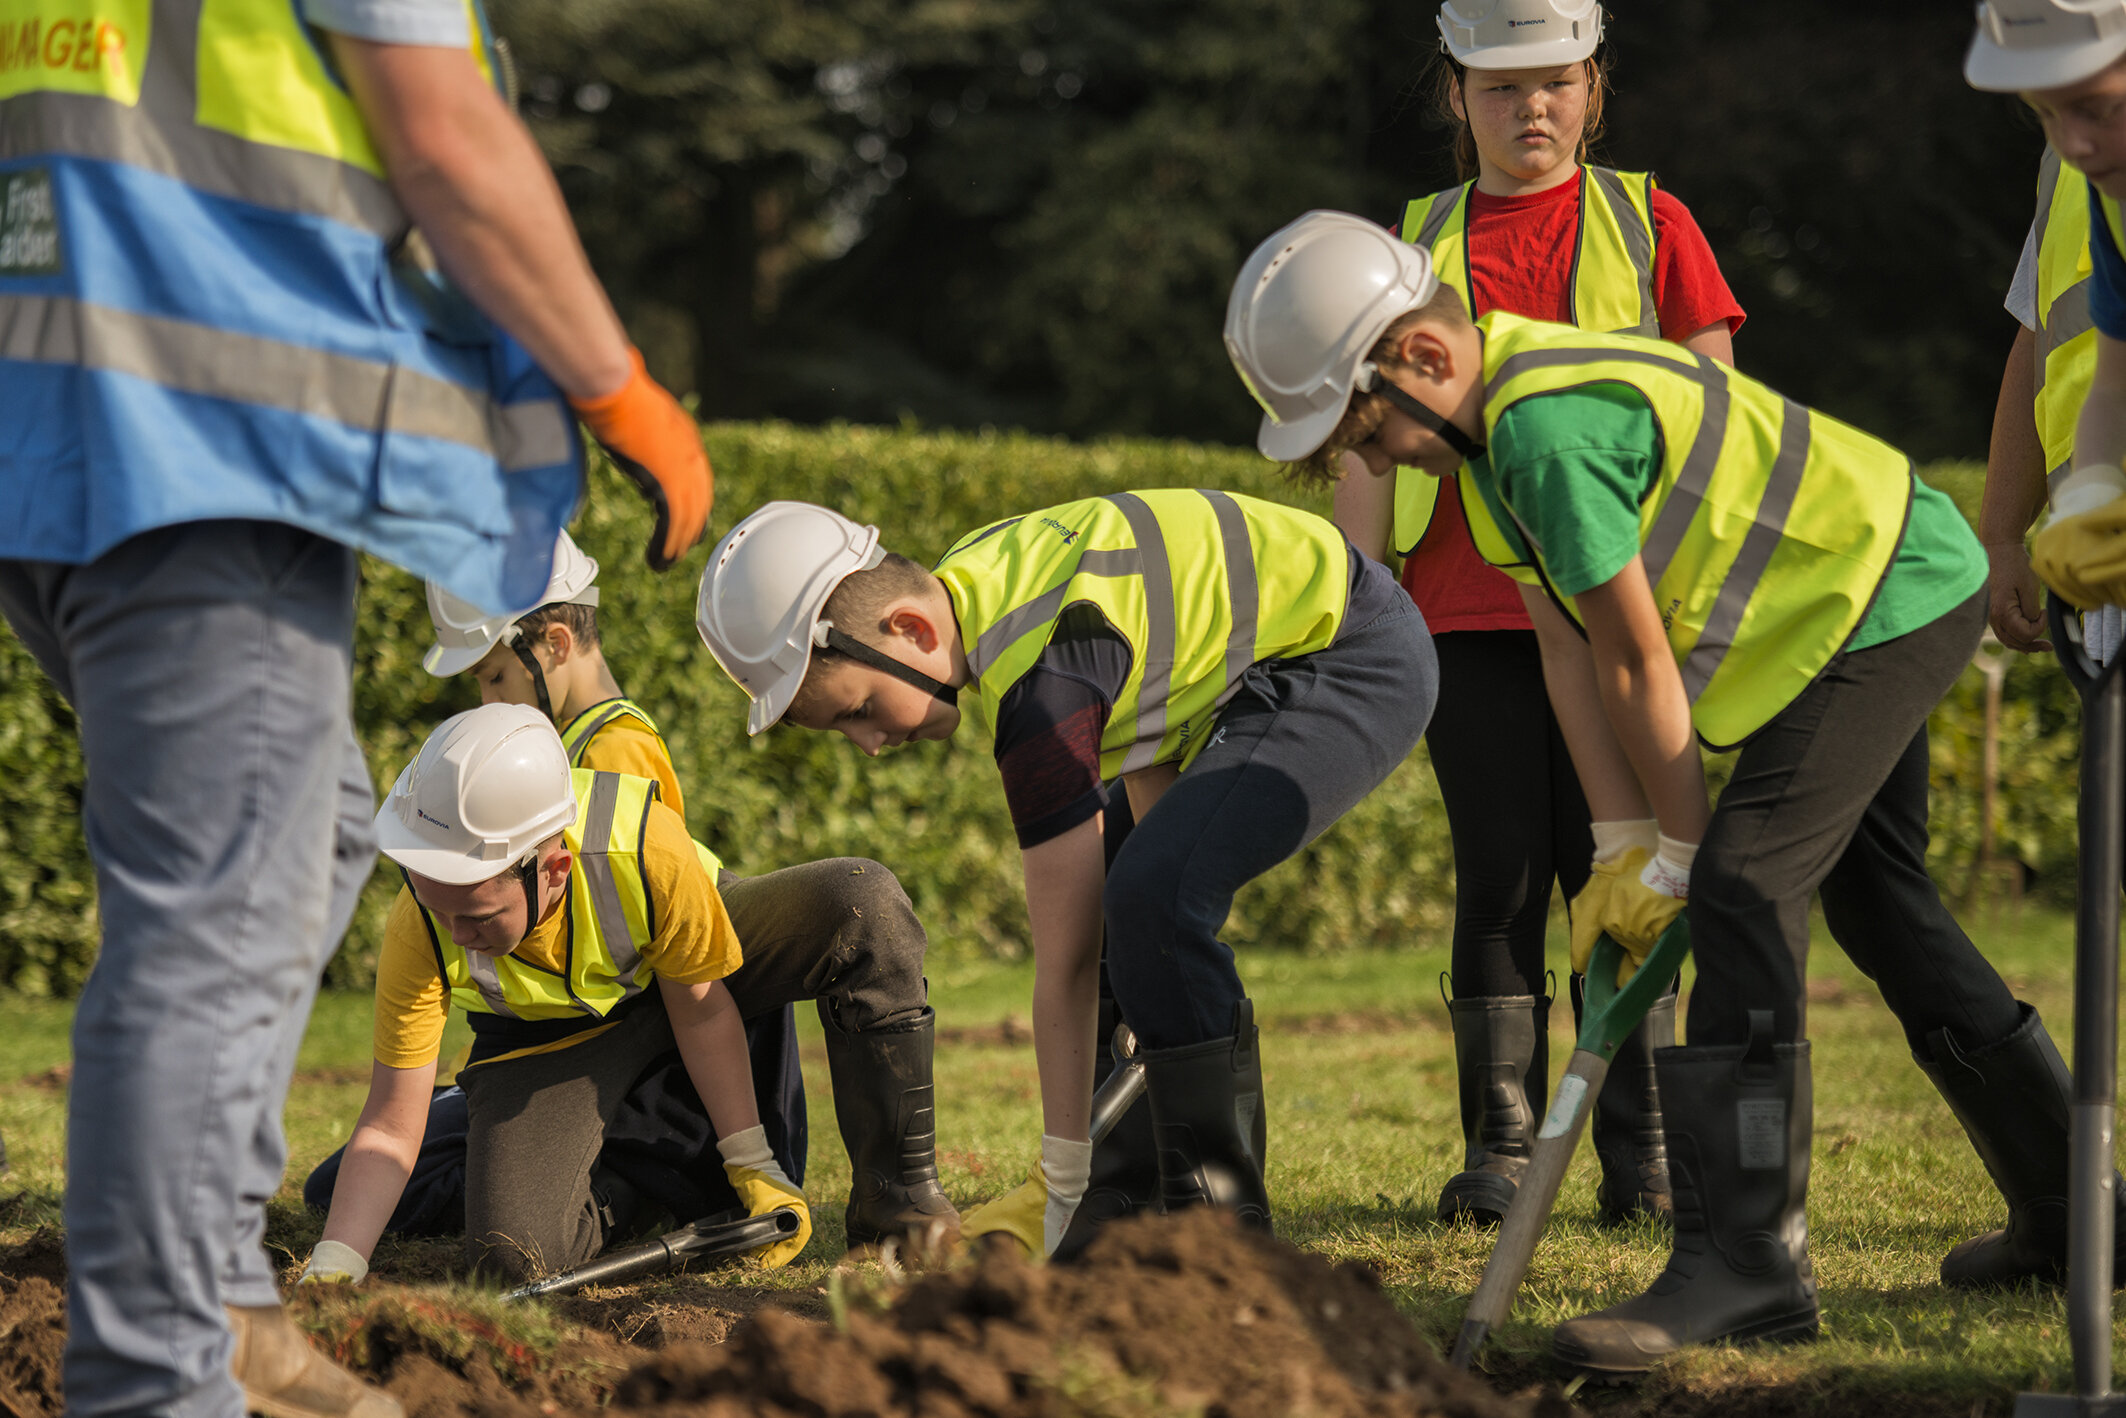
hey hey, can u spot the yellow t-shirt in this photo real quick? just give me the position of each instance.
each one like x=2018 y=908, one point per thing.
x=694 y=942
x=625 y=746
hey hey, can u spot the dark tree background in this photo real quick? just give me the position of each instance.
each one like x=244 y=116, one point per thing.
x=1028 y=212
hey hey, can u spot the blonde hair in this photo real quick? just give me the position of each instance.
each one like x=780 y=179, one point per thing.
x=1362 y=416
x=1449 y=79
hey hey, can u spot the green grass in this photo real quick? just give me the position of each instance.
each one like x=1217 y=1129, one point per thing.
x=1363 y=1133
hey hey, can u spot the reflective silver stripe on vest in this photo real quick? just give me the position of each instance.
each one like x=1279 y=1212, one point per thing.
x=1242 y=588
x=1638 y=244
x=1684 y=499
x=2068 y=315
x=482 y=970
x=161 y=134
x=583 y=740
x=1766 y=530
x=251 y=369
x=597 y=867
x=1158 y=648
x=991 y=644
x=1436 y=217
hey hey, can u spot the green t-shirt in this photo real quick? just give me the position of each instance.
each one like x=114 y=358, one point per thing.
x=1580 y=461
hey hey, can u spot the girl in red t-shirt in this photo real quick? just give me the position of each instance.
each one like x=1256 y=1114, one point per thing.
x=1522 y=234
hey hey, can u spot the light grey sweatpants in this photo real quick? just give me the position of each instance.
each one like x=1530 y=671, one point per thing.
x=227 y=811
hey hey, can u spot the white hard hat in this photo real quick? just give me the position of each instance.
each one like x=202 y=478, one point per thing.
x=1305 y=311
x=465 y=633
x=1519 y=34
x=763 y=592
x=490 y=785
x=2043 y=44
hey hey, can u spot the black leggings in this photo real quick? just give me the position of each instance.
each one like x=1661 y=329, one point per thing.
x=1513 y=803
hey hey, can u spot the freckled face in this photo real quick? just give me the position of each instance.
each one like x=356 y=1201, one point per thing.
x=1526 y=122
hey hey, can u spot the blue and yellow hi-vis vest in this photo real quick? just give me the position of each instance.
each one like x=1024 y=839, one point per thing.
x=208 y=310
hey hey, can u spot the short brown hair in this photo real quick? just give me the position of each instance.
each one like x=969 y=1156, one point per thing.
x=857 y=607
x=582 y=622
x=1449 y=79
x=1323 y=467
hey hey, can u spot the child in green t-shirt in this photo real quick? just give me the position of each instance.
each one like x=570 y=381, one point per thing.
x=1703 y=560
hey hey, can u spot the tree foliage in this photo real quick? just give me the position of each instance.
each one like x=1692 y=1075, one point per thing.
x=1028 y=212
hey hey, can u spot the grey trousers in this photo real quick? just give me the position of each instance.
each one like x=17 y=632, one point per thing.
x=841 y=932
x=227 y=811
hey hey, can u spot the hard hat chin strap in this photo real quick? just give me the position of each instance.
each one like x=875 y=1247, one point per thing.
x=519 y=642
x=863 y=654
x=1372 y=381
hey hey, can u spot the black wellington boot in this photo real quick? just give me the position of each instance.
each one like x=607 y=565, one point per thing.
x=2015 y=1099
x=1125 y=1174
x=1208 y=1120
x=1502 y=1061
x=1738 y=1123
x=887 y=1111
x=1627 y=1119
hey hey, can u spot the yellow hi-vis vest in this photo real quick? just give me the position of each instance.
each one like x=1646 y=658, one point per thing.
x=1766 y=530
x=1201 y=585
x=585 y=726
x=2066 y=336
x=610 y=919
x=1611 y=292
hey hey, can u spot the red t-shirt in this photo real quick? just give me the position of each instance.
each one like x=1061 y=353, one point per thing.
x=1520 y=261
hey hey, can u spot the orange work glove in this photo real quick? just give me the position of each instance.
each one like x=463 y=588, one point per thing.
x=656 y=443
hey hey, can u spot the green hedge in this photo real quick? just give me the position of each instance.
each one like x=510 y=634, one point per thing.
x=934 y=812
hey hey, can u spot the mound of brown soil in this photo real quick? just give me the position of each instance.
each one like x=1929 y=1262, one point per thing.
x=1164 y=1316
x=32 y=1338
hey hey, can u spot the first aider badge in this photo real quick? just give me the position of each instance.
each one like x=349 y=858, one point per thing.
x=29 y=224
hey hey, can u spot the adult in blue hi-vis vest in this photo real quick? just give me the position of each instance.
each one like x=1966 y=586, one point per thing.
x=226 y=365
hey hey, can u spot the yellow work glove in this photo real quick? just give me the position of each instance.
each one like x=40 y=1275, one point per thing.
x=2082 y=552
x=1611 y=841
x=761 y=1186
x=332 y=1263
x=1643 y=897
x=1020 y=1213
x=1037 y=1214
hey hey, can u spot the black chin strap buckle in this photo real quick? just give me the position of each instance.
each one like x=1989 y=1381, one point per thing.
x=863 y=654
x=1372 y=381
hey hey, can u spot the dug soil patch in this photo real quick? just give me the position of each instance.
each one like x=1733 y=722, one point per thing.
x=1164 y=1316
x=1189 y=1315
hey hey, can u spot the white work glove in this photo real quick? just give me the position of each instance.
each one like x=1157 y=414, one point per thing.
x=1038 y=1211
x=334 y=1263
x=762 y=1186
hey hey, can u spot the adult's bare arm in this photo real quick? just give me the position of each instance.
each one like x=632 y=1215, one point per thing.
x=2015 y=494
x=1364 y=509
x=1064 y=879
x=470 y=176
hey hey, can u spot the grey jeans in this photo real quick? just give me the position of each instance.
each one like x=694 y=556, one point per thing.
x=841 y=932
x=227 y=812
